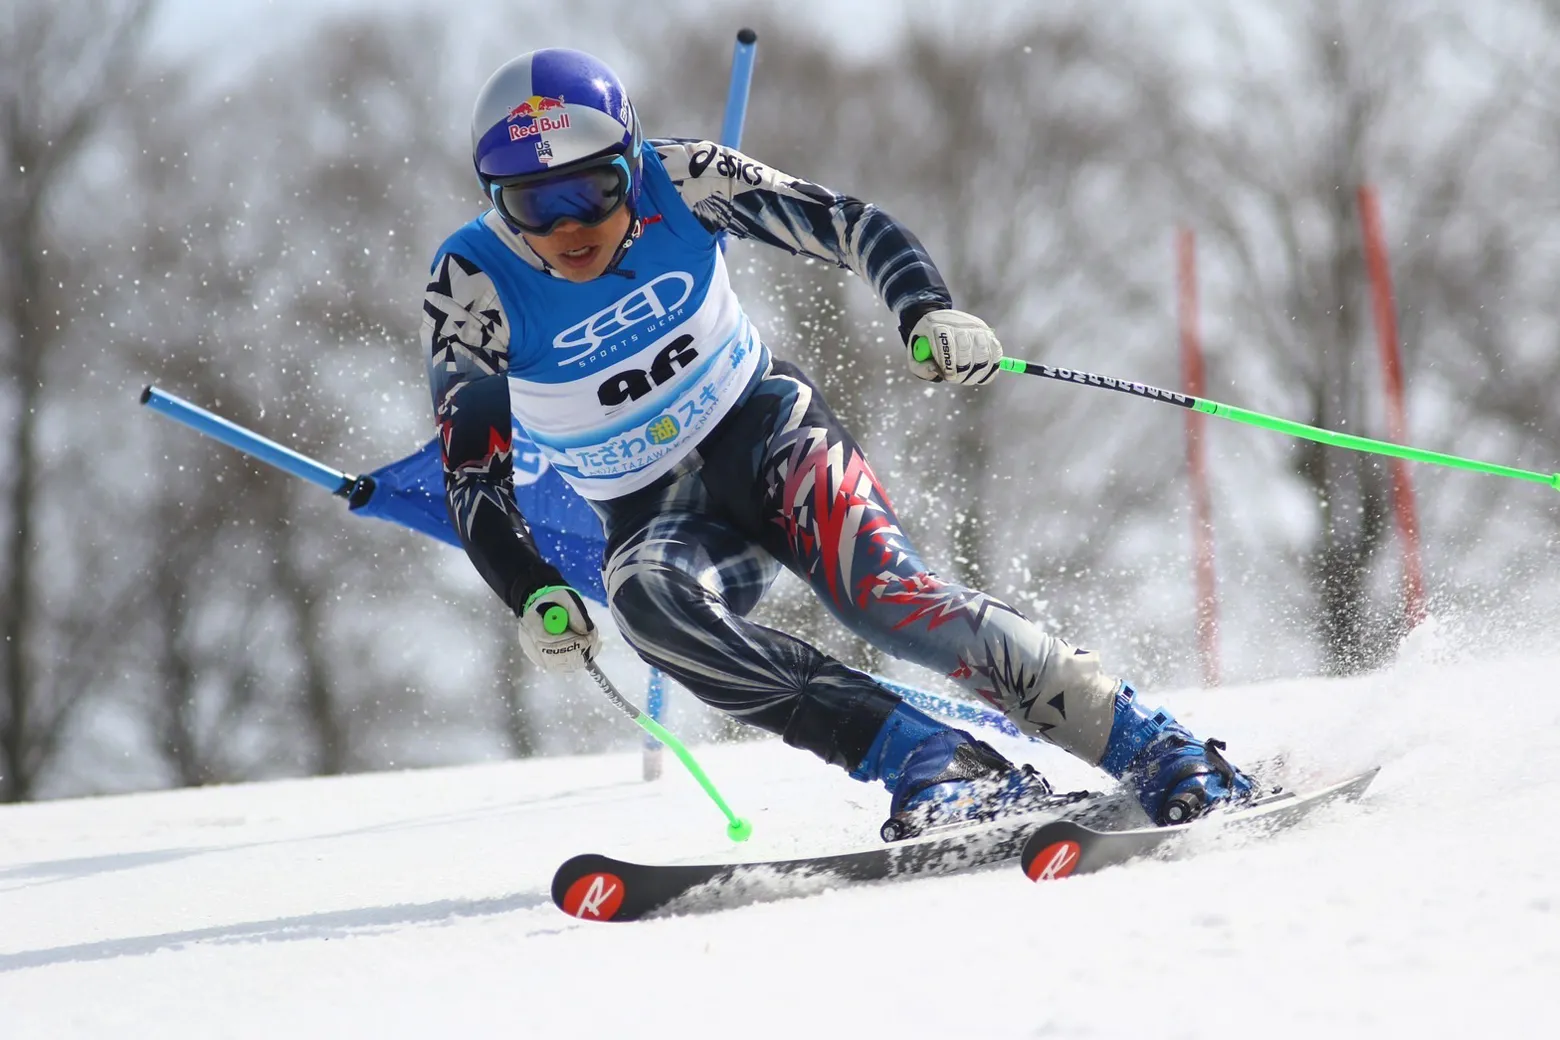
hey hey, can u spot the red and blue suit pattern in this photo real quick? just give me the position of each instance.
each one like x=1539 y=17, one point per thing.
x=782 y=483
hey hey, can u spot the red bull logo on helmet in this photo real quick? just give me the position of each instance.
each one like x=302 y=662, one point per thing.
x=530 y=117
x=540 y=125
x=534 y=106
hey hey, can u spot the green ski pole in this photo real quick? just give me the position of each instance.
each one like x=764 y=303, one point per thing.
x=923 y=352
x=555 y=620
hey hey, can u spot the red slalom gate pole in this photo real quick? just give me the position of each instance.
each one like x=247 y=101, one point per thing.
x=1202 y=521
x=1380 y=271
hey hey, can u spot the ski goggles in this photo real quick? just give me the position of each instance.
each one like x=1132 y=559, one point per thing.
x=588 y=194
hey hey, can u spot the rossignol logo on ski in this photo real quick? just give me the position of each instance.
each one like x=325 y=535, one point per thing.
x=1055 y=861
x=648 y=307
x=594 y=896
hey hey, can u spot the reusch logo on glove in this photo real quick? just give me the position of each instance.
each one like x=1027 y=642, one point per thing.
x=947 y=349
x=654 y=303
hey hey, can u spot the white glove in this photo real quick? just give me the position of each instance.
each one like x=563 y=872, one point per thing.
x=568 y=648
x=963 y=349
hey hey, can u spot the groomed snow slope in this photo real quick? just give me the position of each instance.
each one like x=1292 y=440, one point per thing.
x=416 y=904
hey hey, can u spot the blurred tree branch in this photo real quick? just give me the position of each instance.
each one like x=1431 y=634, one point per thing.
x=64 y=72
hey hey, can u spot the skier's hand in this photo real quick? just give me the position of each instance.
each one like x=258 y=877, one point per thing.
x=954 y=347
x=568 y=641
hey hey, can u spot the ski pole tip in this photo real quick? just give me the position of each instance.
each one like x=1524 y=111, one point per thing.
x=739 y=830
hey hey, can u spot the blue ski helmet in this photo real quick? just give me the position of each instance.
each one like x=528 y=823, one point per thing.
x=547 y=111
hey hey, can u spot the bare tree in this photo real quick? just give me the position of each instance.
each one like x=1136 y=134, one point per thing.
x=1271 y=182
x=64 y=70
x=303 y=258
x=264 y=260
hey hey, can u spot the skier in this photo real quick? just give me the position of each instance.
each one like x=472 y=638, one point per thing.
x=591 y=304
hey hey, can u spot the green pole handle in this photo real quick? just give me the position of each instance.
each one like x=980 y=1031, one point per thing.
x=921 y=348
x=555 y=620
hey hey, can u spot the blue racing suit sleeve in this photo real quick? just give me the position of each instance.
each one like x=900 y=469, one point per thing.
x=728 y=191
x=466 y=343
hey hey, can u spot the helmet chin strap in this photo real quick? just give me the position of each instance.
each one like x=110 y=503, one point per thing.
x=636 y=227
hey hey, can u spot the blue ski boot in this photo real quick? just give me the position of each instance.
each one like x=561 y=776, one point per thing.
x=940 y=776
x=1176 y=777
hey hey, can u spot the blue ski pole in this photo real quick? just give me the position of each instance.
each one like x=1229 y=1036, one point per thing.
x=731 y=136
x=247 y=441
x=742 y=55
x=741 y=85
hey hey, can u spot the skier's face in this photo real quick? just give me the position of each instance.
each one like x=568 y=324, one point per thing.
x=580 y=253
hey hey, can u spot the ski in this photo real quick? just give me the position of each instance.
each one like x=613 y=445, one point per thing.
x=599 y=888
x=1064 y=848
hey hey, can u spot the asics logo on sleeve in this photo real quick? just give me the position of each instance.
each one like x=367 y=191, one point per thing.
x=750 y=173
x=655 y=300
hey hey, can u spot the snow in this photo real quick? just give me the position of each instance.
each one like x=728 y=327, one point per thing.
x=416 y=904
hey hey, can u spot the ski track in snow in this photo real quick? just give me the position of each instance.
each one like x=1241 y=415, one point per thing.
x=416 y=904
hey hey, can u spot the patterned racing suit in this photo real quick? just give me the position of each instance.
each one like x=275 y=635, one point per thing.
x=697 y=533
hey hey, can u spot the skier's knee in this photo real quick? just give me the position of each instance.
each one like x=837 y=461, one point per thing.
x=1074 y=703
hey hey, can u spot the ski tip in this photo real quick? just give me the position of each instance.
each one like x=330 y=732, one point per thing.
x=588 y=887
x=1361 y=783
x=1065 y=847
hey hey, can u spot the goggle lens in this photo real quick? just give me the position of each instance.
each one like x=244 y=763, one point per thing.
x=588 y=196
